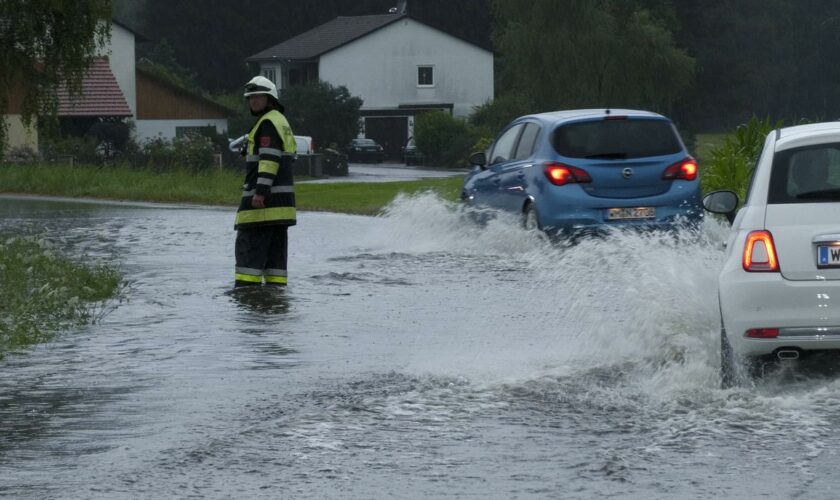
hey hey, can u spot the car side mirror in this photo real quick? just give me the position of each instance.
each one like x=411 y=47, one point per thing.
x=721 y=202
x=479 y=159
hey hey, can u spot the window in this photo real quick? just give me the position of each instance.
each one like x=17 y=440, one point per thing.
x=527 y=142
x=425 y=76
x=617 y=139
x=503 y=148
x=207 y=131
x=270 y=74
x=809 y=174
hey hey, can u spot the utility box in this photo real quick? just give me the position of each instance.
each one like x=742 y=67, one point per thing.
x=309 y=165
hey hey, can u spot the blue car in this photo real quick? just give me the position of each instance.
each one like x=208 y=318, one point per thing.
x=581 y=171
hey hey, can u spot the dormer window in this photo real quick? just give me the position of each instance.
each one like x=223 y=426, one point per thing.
x=425 y=76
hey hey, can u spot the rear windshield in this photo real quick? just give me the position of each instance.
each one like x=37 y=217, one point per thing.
x=617 y=139
x=806 y=175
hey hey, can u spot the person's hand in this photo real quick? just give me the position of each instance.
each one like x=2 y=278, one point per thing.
x=258 y=201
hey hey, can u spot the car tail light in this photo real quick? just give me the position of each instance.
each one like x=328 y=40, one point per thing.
x=760 y=253
x=684 y=169
x=762 y=333
x=559 y=174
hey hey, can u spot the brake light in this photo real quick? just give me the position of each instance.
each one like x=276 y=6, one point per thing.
x=762 y=333
x=760 y=253
x=685 y=169
x=616 y=117
x=559 y=174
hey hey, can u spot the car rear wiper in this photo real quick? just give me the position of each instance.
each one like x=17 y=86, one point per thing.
x=823 y=194
x=608 y=156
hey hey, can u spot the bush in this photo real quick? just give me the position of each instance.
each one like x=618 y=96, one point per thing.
x=192 y=151
x=335 y=163
x=492 y=116
x=444 y=139
x=732 y=163
x=82 y=149
x=21 y=154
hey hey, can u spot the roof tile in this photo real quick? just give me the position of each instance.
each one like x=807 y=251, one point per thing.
x=100 y=94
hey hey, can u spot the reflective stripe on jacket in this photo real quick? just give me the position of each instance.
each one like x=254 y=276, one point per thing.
x=271 y=150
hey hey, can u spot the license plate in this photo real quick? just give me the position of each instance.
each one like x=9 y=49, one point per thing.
x=629 y=213
x=828 y=256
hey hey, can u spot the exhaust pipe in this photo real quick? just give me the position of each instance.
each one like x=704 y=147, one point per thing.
x=787 y=354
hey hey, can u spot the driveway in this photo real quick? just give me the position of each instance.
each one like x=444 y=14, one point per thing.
x=390 y=172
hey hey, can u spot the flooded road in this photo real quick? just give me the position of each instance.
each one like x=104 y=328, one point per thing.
x=414 y=355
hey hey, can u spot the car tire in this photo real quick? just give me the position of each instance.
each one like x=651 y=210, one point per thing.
x=530 y=218
x=728 y=364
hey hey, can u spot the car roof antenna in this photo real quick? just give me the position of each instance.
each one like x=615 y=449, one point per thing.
x=607 y=111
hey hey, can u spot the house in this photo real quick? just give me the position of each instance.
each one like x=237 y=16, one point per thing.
x=114 y=87
x=397 y=64
x=159 y=108
x=167 y=110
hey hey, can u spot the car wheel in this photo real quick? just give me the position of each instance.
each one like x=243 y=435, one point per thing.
x=728 y=366
x=530 y=218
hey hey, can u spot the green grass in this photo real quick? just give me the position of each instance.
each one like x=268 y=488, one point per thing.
x=122 y=183
x=43 y=292
x=210 y=187
x=369 y=198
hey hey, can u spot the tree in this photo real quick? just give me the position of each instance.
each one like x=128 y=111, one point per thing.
x=591 y=53
x=326 y=113
x=44 y=43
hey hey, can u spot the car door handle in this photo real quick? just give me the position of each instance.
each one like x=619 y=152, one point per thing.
x=496 y=180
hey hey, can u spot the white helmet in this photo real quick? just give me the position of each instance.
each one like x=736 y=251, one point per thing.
x=260 y=85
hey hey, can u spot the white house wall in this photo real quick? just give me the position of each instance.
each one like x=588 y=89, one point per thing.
x=18 y=135
x=121 y=56
x=381 y=68
x=151 y=129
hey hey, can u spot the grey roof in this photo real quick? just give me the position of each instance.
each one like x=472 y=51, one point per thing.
x=326 y=37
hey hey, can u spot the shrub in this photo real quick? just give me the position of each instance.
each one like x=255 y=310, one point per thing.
x=192 y=151
x=21 y=154
x=81 y=149
x=443 y=139
x=733 y=162
x=494 y=115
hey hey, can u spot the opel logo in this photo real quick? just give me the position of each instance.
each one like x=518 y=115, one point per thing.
x=627 y=173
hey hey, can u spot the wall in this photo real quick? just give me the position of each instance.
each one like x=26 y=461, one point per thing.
x=121 y=58
x=161 y=101
x=381 y=68
x=151 y=129
x=18 y=135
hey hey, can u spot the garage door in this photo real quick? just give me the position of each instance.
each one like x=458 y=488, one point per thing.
x=391 y=132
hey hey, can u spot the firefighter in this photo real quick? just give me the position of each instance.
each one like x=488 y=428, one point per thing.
x=267 y=208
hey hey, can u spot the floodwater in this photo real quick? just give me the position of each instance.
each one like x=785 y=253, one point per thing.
x=414 y=355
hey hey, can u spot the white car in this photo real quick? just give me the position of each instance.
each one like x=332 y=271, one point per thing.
x=779 y=289
x=304 y=143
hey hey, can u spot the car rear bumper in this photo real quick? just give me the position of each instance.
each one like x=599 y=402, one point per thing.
x=587 y=220
x=366 y=156
x=807 y=313
x=572 y=210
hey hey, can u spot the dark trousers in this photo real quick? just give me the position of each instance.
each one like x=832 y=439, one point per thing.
x=261 y=254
